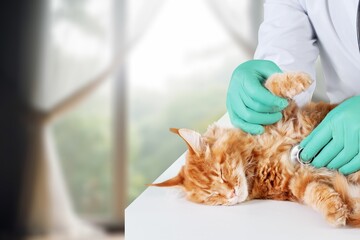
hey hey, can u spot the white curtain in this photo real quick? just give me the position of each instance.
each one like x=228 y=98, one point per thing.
x=231 y=13
x=69 y=56
x=73 y=57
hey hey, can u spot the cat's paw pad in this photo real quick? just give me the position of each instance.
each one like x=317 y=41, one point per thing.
x=288 y=84
x=337 y=212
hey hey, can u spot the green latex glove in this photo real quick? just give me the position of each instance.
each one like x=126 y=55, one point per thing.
x=249 y=103
x=335 y=141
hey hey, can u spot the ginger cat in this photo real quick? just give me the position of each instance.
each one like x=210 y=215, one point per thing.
x=226 y=166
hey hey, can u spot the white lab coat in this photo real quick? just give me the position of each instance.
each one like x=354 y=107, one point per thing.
x=295 y=32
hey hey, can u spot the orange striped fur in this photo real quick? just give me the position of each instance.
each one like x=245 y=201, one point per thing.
x=226 y=166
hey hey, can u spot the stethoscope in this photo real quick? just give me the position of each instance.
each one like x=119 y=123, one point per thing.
x=295 y=155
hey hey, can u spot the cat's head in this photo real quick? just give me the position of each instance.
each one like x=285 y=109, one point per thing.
x=211 y=175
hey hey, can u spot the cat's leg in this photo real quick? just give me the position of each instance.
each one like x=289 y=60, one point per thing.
x=354 y=178
x=288 y=85
x=323 y=198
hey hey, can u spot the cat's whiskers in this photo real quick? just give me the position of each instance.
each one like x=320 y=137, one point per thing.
x=226 y=166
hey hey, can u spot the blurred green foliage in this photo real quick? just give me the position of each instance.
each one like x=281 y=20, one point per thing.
x=188 y=103
x=84 y=144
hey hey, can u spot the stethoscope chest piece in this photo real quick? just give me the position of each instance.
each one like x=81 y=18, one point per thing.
x=295 y=155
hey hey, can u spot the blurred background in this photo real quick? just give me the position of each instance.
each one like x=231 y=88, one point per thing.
x=89 y=89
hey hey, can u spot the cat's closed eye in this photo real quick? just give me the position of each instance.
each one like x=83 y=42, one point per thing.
x=214 y=194
x=222 y=177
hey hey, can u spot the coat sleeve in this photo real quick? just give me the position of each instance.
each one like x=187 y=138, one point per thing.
x=287 y=38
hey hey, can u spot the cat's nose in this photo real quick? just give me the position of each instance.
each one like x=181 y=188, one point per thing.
x=233 y=193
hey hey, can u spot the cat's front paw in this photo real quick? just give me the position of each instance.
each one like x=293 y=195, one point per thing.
x=288 y=84
x=337 y=212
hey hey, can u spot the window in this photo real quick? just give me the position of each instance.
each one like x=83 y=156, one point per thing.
x=178 y=75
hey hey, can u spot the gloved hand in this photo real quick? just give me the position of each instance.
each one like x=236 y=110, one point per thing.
x=249 y=103
x=335 y=141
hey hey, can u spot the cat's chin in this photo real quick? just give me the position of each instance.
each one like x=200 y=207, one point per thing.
x=233 y=202
x=237 y=201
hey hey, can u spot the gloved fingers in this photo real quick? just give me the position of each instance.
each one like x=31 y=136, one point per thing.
x=330 y=151
x=253 y=117
x=307 y=139
x=261 y=118
x=313 y=133
x=350 y=150
x=253 y=129
x=260 y=94
x=255 y=105
x=316 y=143
x=245 y=126
x=352 y=166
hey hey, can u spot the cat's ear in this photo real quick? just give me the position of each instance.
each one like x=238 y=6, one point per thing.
x=175 y=181
x=192 y=138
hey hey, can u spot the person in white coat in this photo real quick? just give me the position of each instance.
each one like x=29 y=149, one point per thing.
x=291 y=38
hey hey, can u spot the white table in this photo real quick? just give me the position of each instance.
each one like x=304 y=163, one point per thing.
x=163 y=214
